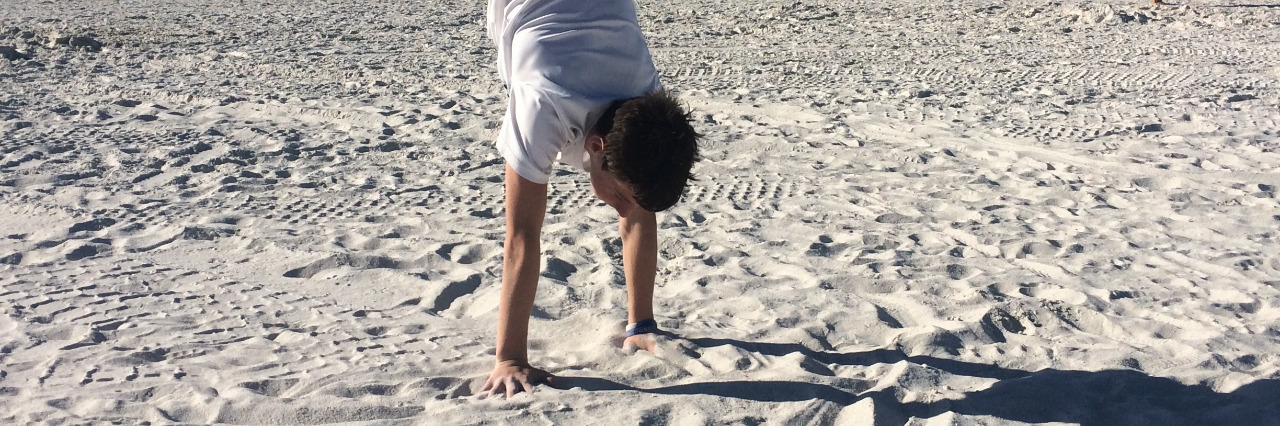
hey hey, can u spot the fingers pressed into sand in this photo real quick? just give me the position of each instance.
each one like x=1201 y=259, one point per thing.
x=525 y=383
x=488 y=388
x=511 y=386
x=492 y=388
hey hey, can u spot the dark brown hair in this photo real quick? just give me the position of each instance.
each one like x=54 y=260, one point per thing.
x=651 y=146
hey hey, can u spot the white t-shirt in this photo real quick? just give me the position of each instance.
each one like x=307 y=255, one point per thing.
x=564 y=63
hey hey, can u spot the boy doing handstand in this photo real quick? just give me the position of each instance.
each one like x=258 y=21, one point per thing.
x=581 y=85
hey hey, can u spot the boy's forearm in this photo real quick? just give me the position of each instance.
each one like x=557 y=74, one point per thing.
x=519 y=289
x=526 y=205
x=639 y=231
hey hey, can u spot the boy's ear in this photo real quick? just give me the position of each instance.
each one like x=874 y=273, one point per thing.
x=595 y=143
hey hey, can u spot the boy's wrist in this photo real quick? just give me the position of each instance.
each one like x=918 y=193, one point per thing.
x=506 y=355
x=500 y=360
x=510 y=361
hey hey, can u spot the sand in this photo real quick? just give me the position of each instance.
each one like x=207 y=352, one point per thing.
x=924 y=213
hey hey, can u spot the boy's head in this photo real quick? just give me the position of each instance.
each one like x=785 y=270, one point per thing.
x=650 y=146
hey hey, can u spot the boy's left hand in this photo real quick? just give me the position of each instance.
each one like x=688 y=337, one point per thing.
x=647 y=342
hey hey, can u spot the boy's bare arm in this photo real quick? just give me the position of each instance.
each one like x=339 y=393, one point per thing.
x=639 y=229
x=526 y=204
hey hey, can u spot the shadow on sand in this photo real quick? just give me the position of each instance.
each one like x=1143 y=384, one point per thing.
x=1111 y=397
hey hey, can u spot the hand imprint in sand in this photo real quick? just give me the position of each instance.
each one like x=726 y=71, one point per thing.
x=512 y=377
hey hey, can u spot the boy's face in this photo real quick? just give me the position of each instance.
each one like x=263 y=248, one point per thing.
x=607 y=187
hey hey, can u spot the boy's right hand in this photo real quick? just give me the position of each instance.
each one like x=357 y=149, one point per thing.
x=513 y=376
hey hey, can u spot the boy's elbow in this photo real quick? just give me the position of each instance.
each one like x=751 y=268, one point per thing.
x=639 y=221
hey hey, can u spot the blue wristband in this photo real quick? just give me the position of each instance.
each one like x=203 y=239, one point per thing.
x=648 y=326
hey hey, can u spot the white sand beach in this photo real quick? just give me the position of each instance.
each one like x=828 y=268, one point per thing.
x=923 y=213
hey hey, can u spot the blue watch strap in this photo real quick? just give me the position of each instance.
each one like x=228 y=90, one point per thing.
x=643 y=327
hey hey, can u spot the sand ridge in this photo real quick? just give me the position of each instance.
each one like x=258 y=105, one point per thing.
x=940 y=213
